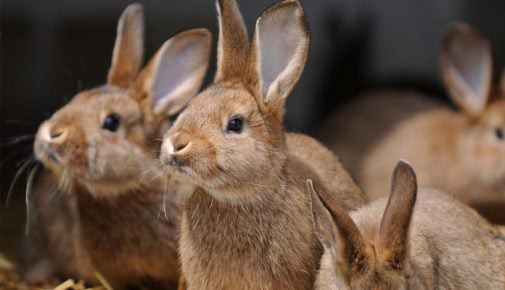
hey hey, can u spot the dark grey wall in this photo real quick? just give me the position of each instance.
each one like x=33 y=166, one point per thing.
x=52 y=49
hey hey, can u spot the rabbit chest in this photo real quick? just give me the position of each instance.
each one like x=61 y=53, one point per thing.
x=126 y=237
x=267 y=244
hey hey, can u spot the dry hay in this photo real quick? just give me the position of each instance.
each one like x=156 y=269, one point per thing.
x=9 y=280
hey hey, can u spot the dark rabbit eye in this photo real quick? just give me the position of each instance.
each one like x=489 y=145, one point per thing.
x=172 y=118
x=499 y=133
x=111 y=122
x=235 y=124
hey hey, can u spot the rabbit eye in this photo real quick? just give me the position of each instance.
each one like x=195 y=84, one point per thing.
x=235 y=124
x=172 y=118
x=111 y=122
x=499 y=133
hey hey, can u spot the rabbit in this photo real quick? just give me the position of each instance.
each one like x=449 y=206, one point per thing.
x=101 y=150
x=413 y=240
x=459 y=152
x=245 y=220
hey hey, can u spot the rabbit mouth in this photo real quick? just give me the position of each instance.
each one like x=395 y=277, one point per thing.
x=53 y=156
x=175 y=163
x=46 y=154
x=178 y=168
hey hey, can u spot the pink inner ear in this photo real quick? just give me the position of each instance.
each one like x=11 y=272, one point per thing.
x=177 y=70
x=471 y=70
x=280 y=37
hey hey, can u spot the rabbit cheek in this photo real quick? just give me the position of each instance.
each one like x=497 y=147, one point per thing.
x=200 y=163
x=61 y=154
x=480 y=157
x=74 y=154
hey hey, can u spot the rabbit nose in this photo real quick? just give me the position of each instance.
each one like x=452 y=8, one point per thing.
x=179 y=147
x=177 y=143
x=57 y=134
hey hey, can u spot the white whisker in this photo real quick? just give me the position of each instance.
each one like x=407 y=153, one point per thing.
x=29 y=187
x=26 y=163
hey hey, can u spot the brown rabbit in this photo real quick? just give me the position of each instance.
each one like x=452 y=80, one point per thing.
x=435 y=242
x=461 y=152
x=246 y=218
x=102 y=149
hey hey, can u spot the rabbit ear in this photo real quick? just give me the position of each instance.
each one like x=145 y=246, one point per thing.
x=337 y=231
x=322 y=219
x=467 y=67
x=278 y=53
x=233 y=43
x=175 y=74
x=128 y=48
x=395 y=224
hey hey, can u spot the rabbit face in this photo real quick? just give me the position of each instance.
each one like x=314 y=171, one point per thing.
x=222 y=141
x=467 y=72
x=97 y=138
x=232 y=133
x=105 y=137
x=483 y=145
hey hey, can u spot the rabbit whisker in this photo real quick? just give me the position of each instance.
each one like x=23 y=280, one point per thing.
x=54 y=193
x=18 y=139
x=163 y=207
x=14 y=153
x=65 y=182
x=28 y=192
x=22 y=161
x=24 y=165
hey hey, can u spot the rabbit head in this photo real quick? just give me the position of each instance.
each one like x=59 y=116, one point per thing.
x=104 y=136
x=367 y=256
x=232 y=132
x=467 y=72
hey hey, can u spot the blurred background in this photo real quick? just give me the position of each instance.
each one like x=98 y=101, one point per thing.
x=52 y=49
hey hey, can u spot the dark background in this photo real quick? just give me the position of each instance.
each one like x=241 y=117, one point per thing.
x=52 y=49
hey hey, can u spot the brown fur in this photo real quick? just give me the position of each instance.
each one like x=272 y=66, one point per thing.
x=329 y=169
x=457 y=151
x=52 y=246
x=108 y=180
x=128 y=51
x=230 y=53
x=246 y=221
x=432 y=243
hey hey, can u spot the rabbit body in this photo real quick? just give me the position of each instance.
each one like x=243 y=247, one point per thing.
x=458 y=151
x=354 y=129
x=246 y=220
x=447 y=245
x=101 y=148
x=53 y=245
x=328 y=168
x=111 y=213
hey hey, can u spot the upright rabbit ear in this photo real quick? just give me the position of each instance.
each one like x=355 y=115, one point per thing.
x=337 y=231
x=175 y=74
x=128 y=48
x=395 y=224
x=233 y=43
x=279 y=52
x=467 y=67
